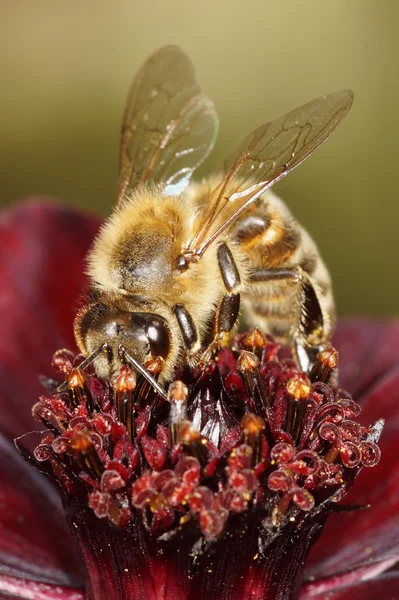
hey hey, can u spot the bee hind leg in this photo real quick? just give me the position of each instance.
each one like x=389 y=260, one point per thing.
x=309 y=335
x=305 y=355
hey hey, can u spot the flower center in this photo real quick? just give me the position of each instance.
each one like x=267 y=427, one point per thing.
x=250 y=433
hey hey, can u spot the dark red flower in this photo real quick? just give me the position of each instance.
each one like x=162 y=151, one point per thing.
x=129 y=476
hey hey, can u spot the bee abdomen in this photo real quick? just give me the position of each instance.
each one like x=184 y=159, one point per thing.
x=273 y=241
x=275 y=310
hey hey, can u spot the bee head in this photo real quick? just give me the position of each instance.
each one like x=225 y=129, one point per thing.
x=144 y=335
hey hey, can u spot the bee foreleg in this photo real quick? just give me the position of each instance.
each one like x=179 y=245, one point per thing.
x=229 y=306
x=187 y=327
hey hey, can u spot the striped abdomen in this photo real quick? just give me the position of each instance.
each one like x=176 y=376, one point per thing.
x=275 y=246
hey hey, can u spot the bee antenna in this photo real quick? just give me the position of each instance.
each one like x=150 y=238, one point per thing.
x=143 y=371
x=85 y=363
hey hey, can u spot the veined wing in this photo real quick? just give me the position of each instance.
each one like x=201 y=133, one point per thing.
x=169 y=126
x=264 y=157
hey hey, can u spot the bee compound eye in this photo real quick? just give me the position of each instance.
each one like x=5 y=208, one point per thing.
x=158 y=336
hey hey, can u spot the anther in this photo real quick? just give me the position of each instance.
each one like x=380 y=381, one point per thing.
x=144 y=388
x=252 y=427
x=127 y=358
x=248 y=365
x=254 y=340
x=124 y=385
x=177 y=396
x=87 y=456
x=126 y=380
x=188 y=434
x=83 y=365
x=191 y=438
x=78 y=390
x=154 y=365
x=326 y=363
x=298 y=389
x=76 y=379
x=247 y=362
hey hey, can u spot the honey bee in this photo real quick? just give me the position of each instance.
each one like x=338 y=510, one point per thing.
x=171 y=266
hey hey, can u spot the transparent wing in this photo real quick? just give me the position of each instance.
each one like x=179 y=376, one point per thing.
x=168 y=128
x=264 y=157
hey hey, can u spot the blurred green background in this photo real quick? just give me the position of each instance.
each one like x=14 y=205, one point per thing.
x=65 y=69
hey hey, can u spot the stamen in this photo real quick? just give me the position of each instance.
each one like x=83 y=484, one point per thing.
x=326 y=363
x=144 y=387
x=177 y=396
x=252 y=427
x=78 y=390
x=298 y=389
x=253 y=435
x=58 y=359
x=124 y=385
x=248 y=365
x=247 y=362
x=86 y=455
x=144 y=372
x=255 y=341
x=191 y=438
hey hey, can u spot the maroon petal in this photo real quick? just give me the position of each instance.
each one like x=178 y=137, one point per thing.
x=26 y=589
x=42 y=248
x=384 y=587
x=35 y=542
x=358 y=539
x=368 y=351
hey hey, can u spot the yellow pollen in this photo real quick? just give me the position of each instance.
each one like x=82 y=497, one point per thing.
x=154 y=365
x=329 y=358
x=156 y=503
x=125 y=381
x=177 y=391
x=76 y=379
x=81 y=442
x=299 y=387
x=252 y=424
x=247 y=361
x=255 y=339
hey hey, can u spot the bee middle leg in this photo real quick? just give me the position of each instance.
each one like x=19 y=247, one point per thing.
x=229 y=305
